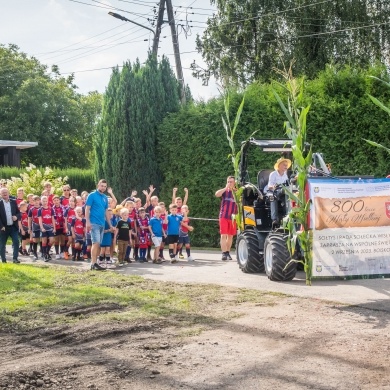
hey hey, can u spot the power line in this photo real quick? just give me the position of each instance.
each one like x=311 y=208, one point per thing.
x=76 y=57
x=110 y=8
x=88 y=46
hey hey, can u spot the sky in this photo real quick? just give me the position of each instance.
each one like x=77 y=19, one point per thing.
x=79 y=36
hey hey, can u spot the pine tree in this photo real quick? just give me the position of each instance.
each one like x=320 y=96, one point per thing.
x=136 y=101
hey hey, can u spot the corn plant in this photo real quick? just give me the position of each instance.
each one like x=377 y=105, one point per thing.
x=235 y=155
x=384 y=108
x=297 y=221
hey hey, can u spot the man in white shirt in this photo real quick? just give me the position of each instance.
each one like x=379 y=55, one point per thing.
x=278 y=176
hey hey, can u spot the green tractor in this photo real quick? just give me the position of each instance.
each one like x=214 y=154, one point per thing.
x=261 y=245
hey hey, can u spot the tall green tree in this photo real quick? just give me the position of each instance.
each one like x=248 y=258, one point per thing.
x=37 y=106
x=137 y=99
x=245 y=40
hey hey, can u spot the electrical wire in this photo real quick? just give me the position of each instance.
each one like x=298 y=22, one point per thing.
x=110 y=8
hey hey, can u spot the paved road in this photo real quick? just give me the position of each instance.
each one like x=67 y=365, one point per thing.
x=208 y=268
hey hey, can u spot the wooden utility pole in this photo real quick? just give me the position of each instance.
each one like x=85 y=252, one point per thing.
x=175 y=42
x=160 y=21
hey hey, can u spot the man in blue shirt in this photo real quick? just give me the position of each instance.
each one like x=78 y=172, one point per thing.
x=96 y=214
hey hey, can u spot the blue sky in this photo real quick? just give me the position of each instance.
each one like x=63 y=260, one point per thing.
x=82 y=37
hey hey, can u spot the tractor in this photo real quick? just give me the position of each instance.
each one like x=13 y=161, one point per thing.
x=261 y=245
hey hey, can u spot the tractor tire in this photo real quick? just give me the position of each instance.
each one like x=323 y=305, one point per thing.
x=276 y=257
x=248 y=254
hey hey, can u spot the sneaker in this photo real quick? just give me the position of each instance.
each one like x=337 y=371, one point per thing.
x=190 y=258
x=66 y=255
x=177 y=258
x=16 y=261
x=97 y=267
x=224 y=257
x=181 y=256
x=35 y=258
x=46 y=259
x=57 y=257
x=20 y=250
x=62 y=255
x=25 y=253
x=173 y=260
x=228 y=256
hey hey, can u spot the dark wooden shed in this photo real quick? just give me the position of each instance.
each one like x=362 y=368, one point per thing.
x=10 y=152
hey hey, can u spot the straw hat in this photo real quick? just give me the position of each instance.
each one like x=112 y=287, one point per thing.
x=280 y=160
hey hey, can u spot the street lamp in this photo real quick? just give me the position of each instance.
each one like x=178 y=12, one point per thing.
x=131 y=21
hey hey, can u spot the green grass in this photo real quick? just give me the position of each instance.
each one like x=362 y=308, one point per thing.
x=36 y=296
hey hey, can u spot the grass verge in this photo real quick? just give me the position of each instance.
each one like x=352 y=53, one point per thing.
x=39 y=296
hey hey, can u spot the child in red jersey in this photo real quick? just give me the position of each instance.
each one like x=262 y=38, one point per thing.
x=33 y=224
x=48 y=228
x=134 y=242
x=69 y=214
x=143 y=234
x=59 y=237
x=184 y=238
x=23 y=227
x=19 y=196
x=78 y=233
x=64 y=199
x=49 y=194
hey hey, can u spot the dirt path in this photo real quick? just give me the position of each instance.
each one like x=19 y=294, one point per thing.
x=289 y=343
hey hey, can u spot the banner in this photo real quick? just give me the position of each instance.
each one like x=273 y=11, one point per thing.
x=351 y=226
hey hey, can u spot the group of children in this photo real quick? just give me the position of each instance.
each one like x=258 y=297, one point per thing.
x=58 y=221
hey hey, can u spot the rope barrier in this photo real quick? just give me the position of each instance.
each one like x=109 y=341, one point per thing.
x=204 y=219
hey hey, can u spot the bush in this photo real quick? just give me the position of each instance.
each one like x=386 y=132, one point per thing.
x=33 y=179
x=82 y=179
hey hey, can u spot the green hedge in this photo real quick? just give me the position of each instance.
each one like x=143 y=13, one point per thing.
x=82 y=179
x=193 y=149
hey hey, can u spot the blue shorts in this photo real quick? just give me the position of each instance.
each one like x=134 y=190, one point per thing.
x=184 y=240
x=36 y=234
x=97 y=232
x=47 y=234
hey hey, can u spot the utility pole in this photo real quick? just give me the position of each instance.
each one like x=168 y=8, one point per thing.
x=175 y=42
x=160 y=21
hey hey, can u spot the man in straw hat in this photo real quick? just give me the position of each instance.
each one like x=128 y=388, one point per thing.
x=278 y=176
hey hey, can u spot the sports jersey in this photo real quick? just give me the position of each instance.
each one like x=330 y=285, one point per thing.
x=228 y=205
x=33 y=214
x=164 y=225
x=64 y=201
x=157 y=226
x=50 y=200
x=59 y=216
x=47 y=215
x=19 y=201
x=78 y=226
x=69 y=214
x=183 y=229
x=24 y=221
x=174 y=224
x=133 y=216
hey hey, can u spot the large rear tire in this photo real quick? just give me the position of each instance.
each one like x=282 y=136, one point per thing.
x=276 y=257
x=249 y=258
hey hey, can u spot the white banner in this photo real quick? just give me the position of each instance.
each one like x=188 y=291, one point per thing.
x=351 y=227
